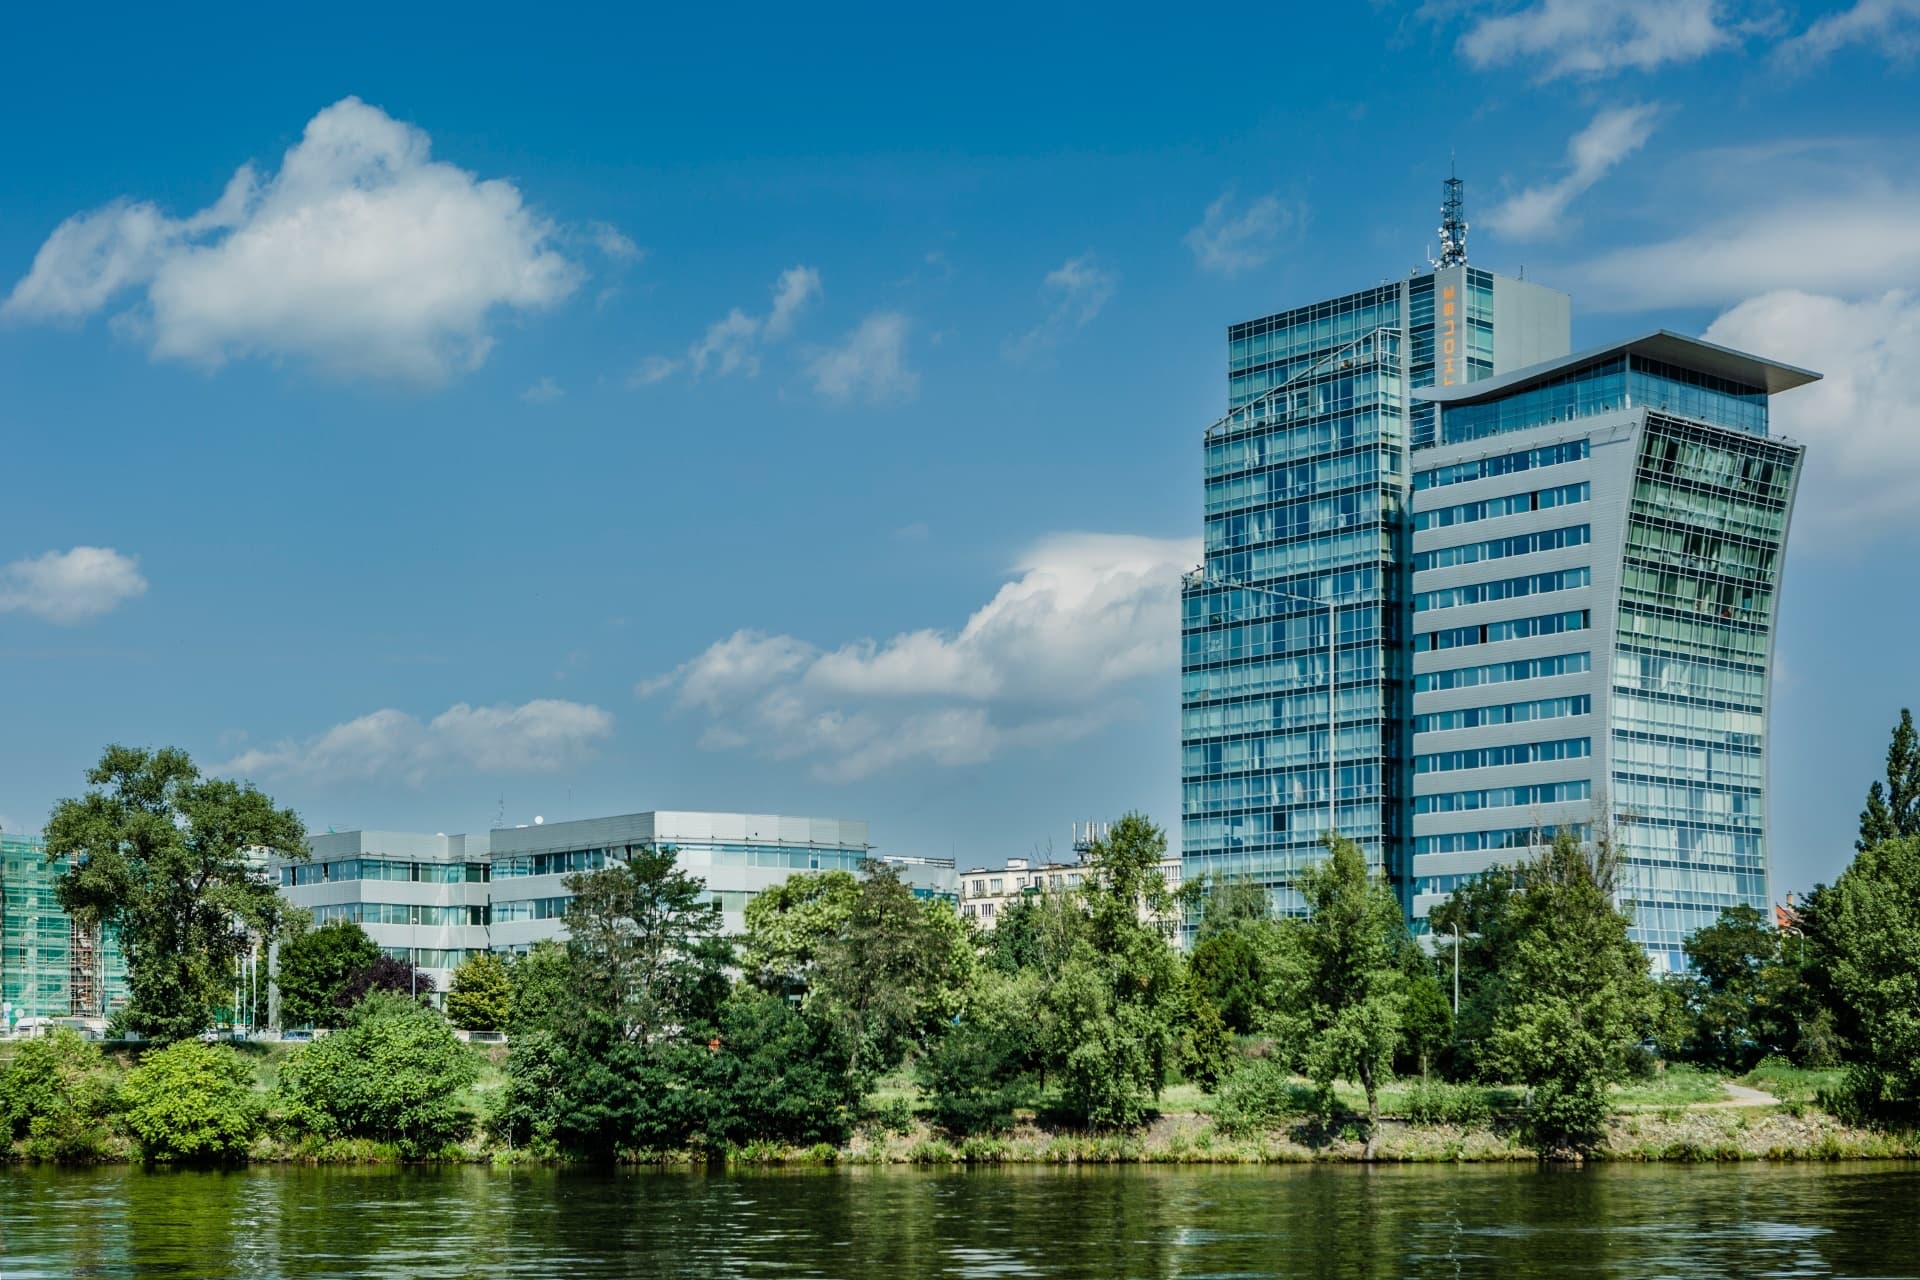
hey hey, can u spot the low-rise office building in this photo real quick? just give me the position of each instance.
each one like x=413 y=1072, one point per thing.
x=987 y=892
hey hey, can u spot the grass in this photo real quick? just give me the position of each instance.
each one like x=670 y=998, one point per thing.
x=1672 y=1085
x=1790 y=1083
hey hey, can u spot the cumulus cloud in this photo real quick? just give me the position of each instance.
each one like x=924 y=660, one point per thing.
x=1609 y=138
x=545 y=391
x=615 y=243
x=1229 y=241
x=1890 y=27
x=542 y=736
x=732 y=343
x=1582 y=38
x=1849 y=242
x=870 y=363
x=362 y=254
x=1861 y=422
x=1077 y=290
x=66 y=587
x=1046 y=660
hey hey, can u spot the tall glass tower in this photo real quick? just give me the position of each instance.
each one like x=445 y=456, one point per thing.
x=1295 y=649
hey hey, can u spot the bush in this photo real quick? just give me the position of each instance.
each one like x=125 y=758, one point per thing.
x=57 y=1097
x=1435 y=1102
x=776 y=1075
x=965 y=1079
x=394 y=1073
x=1259 y=1096
x=192 y=1102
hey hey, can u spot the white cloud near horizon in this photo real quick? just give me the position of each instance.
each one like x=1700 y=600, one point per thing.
x=1861 y=421
x=1048 y=659
x=1078 y=290
x=541 y=736
x=731 y=345
x=68 y=587
x=1584 y=38
x=1890 y=27
x=362 y=254
x=869 y=363
x=1609 y=138
x=1228 y=242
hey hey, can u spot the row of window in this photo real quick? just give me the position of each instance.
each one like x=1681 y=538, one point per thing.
x=564 y=862
x=1491 y=841
x=1508 y=504
x=1503 y=797
x=1502 y=464
x=399 y=913
x=1531 y=584
x=1505 y=713
x=1558 y=664
x=1550 y=624
x=388 y=869
x=1495 y=757
x=1520 y=544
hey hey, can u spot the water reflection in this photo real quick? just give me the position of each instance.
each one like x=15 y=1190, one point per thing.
x=1148 y=1222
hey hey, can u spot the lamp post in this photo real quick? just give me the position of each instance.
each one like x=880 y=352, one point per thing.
x=1332 y=683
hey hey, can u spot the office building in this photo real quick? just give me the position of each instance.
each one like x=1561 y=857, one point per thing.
x=1504 y=654
x=51 y=965
x=987 y=892
x=1597 y=546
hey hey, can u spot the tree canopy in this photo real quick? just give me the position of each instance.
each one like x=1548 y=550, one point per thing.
x=312 y=970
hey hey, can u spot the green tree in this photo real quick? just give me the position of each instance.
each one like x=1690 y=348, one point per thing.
x=1209 y=1052
x=1426 y=1022
x=313 y=968
x=543 y=993
x=159 y=855
x=481 y=998
x=1869 y=944
x=1473 y=928
x=1893 y=811
x=1743 y=996
x=788 y=923
x=395 y=1072
x=1348 y=982
x=192 y=1102
x=642 y=935
x=57 y=1096
x=1227 y=972
x=1576 y=998
x=773 y=1074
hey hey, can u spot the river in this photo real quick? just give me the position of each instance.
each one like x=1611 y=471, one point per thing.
x=1431 y=1220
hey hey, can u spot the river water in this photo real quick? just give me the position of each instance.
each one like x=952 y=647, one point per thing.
x=1629 y=1221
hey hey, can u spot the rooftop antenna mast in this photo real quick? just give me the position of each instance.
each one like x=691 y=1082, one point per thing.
x=1453 y=227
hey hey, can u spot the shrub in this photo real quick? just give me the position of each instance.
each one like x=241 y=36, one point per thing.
x=192 y=1102
x=1259 y=1096
x=57 y=1095
x=394 y=1073
x=776 y=1074
x=1436 y=1102
x=965 y=1079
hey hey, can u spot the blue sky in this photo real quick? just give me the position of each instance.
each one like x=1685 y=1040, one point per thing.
x=440 y=416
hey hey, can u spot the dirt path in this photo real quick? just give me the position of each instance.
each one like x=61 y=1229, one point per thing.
x=1738 y=1095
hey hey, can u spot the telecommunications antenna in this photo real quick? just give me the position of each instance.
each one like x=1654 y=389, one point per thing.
x=1453 y=227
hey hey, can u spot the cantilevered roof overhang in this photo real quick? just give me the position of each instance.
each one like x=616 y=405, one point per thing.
x=1663 y=345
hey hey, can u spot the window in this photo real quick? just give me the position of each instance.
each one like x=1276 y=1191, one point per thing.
x=1499 y=548
x=1494 y=757
x=999 y=885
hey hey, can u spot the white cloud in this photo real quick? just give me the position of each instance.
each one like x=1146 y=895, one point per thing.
x=1046 y=660
x=1890 y=27
x=732 y=343
x=362 y=254
x=544 y=391
x=1861 y=422
x=1227 y=243
x=796 y=287
x=1849 y=242
x=66 y=587
x=542 y=736
x=1585 y=38
x=1609 y=138
x=869 y=363
x=615 y=243
x=1079 y=290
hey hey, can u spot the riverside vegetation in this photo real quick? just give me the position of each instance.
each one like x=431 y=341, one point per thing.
x=854 y=1021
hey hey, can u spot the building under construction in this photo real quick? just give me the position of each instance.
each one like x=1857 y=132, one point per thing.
x=51 y=965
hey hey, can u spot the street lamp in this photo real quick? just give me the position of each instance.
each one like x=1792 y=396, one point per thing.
x=1332 y=683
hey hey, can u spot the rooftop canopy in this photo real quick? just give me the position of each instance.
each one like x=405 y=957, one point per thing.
x=1663 y=345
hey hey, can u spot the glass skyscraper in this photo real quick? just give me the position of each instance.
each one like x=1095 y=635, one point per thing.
x=1552 y=582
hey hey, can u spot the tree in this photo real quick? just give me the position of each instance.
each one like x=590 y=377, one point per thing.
x=383 y=973
x=543 y=993
x=1869 y=942
x=789 y=922
x=57 y=1095
x=1349 y=981
x=192 y=1102
x=1893 y=811
x=1742 y=998
x=394 y=1073
x=641 y=937
x=313 y=968
x=160 y=855
x=1480 y=912
x=1427 y=1022
x=481 y=998
x=773 y=1075
x=1226 y=971
x=1576 y=998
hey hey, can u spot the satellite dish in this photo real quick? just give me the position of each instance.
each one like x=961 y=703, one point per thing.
x=537 y=819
